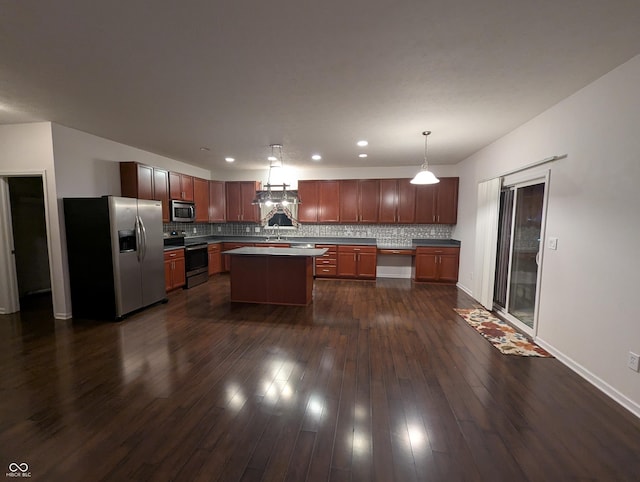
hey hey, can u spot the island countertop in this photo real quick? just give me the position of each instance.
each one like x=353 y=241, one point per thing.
x=271 y=251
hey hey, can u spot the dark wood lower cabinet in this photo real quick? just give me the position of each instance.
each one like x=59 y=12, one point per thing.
x=271 y=279
x=327 y=264
x=437 y=264
x=357 y=262
x=174 y=269
x=215 y=258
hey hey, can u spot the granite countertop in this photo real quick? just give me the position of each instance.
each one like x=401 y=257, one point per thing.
x=443 y=243
x=270 y=251
x=293 y=240
x=173 y=248
x=290 y=240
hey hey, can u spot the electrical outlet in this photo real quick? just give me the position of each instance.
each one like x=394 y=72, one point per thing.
x=257 y=229
x=553 y=243
x=195 y=230
x=219 y=228
x=633 y=362
x=247 y=229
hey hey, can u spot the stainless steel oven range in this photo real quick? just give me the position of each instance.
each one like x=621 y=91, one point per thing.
x=197 y=264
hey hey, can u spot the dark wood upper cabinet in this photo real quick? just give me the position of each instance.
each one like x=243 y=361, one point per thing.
x=136 y=180
x=388 y=201
x=233 y=198
x=144 y=182
x=239 y=195
x=426 y=204
x=349 y=212
x=251 y=212
x=397 y=201
x=447 y=200
x=217 y=210
x=406 y=201
x=328 y=202
x=438 y=203
x=161 y=191
x=368 y=200
x=308 y=207
x=359 y=200
x=201 y=197
x=181 y=186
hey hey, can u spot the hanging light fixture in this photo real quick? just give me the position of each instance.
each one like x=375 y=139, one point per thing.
x=276 y=194
x=425 y=176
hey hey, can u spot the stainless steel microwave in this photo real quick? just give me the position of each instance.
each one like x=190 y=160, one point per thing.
x=183 y=212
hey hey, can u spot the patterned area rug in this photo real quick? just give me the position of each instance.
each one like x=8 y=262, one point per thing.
x=500 y=334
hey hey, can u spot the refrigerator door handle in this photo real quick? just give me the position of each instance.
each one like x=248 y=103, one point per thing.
x=144 y=238
x=138 y=238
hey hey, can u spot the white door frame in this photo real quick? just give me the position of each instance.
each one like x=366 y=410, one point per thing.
x=9 y=294
x=524 y=180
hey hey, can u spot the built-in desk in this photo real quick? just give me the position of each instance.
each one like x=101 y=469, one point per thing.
x=277 y=276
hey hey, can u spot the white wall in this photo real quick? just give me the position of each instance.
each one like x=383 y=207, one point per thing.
x=589 y=285
x=88 y=165
x=74 y=163
x=292 y=174
x=27 y=148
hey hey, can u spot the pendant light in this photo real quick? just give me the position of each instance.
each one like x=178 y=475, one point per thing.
x=425 y=176
x=276 y=194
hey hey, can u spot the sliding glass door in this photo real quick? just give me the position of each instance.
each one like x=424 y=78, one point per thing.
x=521 y=229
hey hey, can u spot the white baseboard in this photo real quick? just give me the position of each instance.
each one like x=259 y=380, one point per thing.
x=596 y=381
x=62 y=316
x=464 y=288
x=393 y=275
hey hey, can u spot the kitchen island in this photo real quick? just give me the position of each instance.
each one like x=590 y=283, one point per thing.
x=277 y=276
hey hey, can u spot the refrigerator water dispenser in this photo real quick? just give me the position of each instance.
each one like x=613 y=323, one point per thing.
x=127 y=240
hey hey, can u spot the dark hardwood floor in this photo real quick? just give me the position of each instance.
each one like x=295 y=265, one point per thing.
x=373 y=381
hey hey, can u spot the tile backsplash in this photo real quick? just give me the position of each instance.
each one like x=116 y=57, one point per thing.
x=385 y=234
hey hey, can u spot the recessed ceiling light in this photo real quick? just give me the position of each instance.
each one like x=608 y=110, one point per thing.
x=316 y=157
x=363 y=143
x=229 y=159
x=362 y=155
x=205 y=149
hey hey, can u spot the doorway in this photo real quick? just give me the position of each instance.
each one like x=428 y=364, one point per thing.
x=519 y=252
x=30 y=244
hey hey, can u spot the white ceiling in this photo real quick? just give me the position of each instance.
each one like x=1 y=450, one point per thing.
x=316 y=76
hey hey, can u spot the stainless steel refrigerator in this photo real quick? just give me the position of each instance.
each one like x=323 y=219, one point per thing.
x=115 y=255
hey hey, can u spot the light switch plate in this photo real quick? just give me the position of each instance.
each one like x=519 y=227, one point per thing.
x=553 y=243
